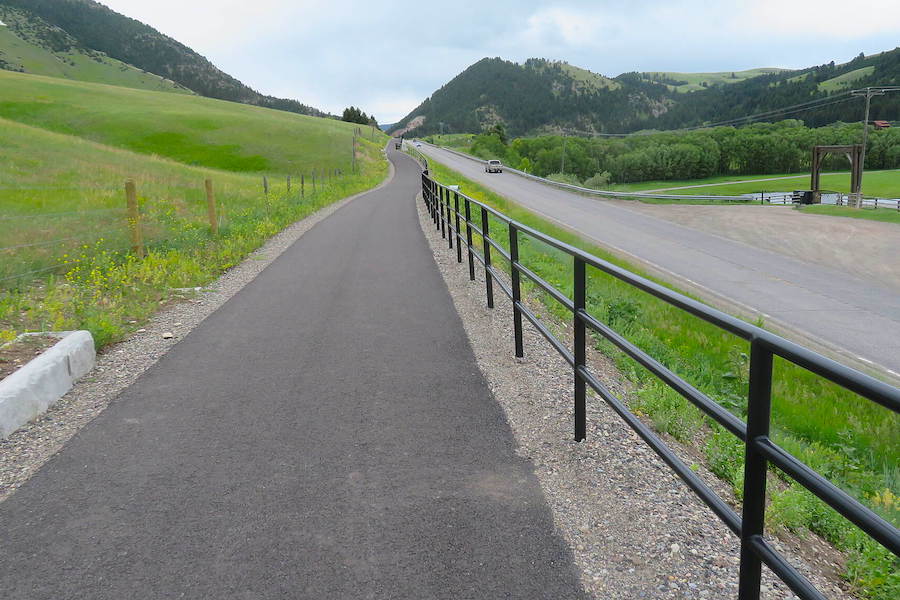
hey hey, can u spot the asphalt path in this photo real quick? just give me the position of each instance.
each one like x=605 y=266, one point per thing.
x=854 y=319
x=325 y=434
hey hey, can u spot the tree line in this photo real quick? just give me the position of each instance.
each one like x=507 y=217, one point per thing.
x=758 y=149
x=354 y=115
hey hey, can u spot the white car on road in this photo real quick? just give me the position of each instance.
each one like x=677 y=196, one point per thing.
x=493 y=166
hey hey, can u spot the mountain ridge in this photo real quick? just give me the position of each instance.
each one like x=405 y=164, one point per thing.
x=545 y=96
x=98 y=28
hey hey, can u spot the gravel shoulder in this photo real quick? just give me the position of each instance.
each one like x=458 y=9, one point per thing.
x=635 y=529
x=119 y=365
x=863 y=248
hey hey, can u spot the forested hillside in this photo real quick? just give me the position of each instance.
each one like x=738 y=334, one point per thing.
x=772 y=92
x=538 y=94
x=28 y=44
x=541 y=96
x=95 y=27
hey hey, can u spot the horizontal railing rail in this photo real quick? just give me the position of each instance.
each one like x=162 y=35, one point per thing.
x=458 y=217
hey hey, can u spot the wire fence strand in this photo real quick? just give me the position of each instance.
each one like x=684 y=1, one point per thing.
x=56 y=241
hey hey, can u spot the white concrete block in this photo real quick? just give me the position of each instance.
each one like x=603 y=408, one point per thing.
x=31 y=390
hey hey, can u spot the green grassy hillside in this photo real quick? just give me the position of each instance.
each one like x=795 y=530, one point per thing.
x=690 y=82
x=66 y=149
x=31 y=46
x=65 y=260
x=190 y=129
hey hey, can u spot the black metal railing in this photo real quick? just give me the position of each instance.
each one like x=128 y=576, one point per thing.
x=760 y=450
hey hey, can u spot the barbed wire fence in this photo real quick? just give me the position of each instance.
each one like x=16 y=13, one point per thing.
x=37 y=245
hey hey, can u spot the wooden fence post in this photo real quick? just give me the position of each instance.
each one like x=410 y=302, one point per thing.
x=134 y=219
x=211 y=207
x=314 y=180
x=289 y=184
x=302 y=185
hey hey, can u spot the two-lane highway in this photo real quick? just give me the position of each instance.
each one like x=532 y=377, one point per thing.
x=854 y=319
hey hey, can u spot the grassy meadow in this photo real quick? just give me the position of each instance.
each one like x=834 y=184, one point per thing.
x=189 y=129
x=853 y=442
x=65 y=260
x=690 y=82
x=885 y=215
x=884 y=184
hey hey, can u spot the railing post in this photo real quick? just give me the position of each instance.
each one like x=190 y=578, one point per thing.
x=759 y=409
x=431 y=201
x=441 y=205
x=488 y=278
x=580 y=343
x=456 y=216
x=469 y=239
x=515 y=276
x=449 y=220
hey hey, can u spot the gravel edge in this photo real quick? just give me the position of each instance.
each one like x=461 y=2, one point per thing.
x=635 y=530
x=120 y=364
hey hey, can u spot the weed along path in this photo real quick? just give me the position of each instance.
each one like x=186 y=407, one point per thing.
x=325 y=434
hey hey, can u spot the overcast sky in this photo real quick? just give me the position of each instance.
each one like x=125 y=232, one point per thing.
x=386 y=57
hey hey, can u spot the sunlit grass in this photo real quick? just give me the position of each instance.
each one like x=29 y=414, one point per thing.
x=67 y=195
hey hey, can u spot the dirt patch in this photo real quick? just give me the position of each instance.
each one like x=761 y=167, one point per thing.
x=16 y=354
x=867 y=249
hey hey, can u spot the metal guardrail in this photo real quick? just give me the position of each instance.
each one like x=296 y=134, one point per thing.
x=443 y=204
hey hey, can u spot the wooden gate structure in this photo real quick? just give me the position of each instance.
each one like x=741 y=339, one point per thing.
x=854 y=155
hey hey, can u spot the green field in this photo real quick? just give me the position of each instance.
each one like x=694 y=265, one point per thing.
x=77 y=65
x=845 y=81
x=885 y=215
x=884 y=184
x=854 y=443
x=190 y=129
x=65 y=260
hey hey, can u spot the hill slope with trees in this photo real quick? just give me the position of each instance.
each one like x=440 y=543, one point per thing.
x=94 y=27
x=28 y=44
x=542 y=96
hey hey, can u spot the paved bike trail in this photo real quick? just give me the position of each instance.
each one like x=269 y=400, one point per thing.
x=325 y=434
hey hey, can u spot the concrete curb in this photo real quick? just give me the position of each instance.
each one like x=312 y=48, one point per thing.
x=35 y=387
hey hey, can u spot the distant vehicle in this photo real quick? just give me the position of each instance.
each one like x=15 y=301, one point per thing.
x=418 y=144
x=493 y=166
x=397 y=144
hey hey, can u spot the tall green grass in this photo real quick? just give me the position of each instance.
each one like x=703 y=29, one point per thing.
x=851 y=441
x=68 y=192
x=192 y=130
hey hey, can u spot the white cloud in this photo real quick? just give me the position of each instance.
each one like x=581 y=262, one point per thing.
x=564 y=25
x=843 y=19
x=387 y=56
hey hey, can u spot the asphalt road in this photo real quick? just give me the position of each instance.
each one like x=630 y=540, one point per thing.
x=325 y=434
x=854 y=319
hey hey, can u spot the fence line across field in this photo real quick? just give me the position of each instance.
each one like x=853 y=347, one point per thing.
x=134 y=217
x=452 y=214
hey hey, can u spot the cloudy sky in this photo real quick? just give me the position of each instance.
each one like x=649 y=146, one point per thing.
x=387 y=57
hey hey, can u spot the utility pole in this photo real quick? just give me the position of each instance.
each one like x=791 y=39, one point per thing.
x=868 y=93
